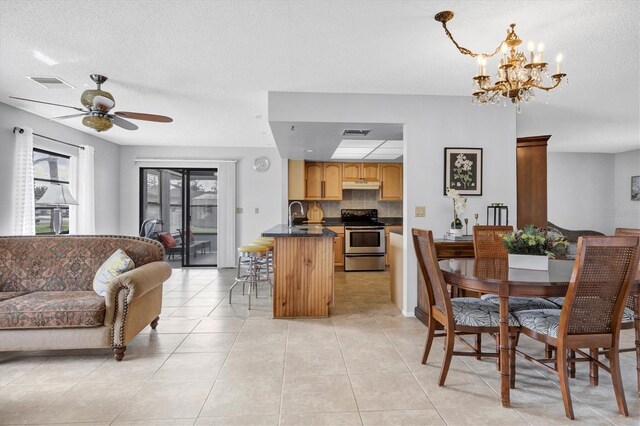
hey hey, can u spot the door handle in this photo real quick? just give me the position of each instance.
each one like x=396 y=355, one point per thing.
x=322 y=189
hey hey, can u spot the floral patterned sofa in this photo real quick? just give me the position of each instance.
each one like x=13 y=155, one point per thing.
x=47 y=299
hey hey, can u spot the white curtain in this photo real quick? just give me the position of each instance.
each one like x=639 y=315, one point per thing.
x=86 y=213
x=24 y=215
x=226 y=214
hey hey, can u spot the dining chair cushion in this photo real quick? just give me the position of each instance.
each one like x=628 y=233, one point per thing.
x=474 y=312
x=522 y=303
x=543 y=321
x=627 y=315
x=559 y=301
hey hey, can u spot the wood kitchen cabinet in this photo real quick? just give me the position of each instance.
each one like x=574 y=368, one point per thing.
x=367 y=172
x=296 y=179
x=338 y=245
x=313 y=173
x=387 y=230
x=351 y=171
x=370 y=172
x=323 y=181
x=391 y=181
x=332 y=181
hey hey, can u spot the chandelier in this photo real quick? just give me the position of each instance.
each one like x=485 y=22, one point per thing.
x=517 y=75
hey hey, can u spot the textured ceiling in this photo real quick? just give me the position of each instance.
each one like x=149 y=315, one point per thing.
x=209 y=65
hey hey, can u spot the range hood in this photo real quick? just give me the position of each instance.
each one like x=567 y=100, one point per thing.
x=360 y=184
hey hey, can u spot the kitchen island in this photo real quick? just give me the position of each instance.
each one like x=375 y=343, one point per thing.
x=303 y=270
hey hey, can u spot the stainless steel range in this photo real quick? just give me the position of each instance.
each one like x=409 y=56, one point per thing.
x=364 y=245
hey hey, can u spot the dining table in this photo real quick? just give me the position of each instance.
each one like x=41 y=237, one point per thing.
x=493 y=276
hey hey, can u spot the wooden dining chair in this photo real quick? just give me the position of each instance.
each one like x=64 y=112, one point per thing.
x=487 y=241
x=591 y=315
x=628 y=319
x=459 y=316
x=487 y=244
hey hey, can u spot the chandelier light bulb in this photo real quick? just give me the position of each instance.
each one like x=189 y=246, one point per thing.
x=531 y=46
x=541 y=47
x=504 y=48
x=558 y=62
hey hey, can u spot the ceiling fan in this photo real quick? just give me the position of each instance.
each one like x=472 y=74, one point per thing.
x=96 y=114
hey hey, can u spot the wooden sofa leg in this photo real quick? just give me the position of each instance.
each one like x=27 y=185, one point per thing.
x=118 y=353
x=154 y=323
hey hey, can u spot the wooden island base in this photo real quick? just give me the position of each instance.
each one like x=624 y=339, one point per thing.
x=303 y=284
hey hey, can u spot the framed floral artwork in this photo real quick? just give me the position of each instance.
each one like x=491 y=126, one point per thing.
x=635 y=188
x=463 y=170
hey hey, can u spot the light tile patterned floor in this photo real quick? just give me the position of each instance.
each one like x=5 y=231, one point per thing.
x=214 y=363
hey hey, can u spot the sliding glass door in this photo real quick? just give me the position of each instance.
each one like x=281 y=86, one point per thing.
x=179 y=208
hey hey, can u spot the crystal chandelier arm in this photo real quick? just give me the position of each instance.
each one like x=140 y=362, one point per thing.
x=557 y=81
x=466 y=51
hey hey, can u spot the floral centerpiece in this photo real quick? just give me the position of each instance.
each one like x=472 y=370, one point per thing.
x=459 y=204
x=531 y=247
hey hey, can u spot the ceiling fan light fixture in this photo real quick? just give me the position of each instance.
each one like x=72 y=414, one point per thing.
x=88 y=97
x=97 y=122
x=102 y=103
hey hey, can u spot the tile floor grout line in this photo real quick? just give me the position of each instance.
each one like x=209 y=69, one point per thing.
x=35 y=366
x=415 y=378
x=73 y=386
x=128 y=404
x=355 y=399
x=284 y=366
x=219 y=373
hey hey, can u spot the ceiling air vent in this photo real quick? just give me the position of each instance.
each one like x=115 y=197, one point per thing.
x=51 y=82
x=355 y=132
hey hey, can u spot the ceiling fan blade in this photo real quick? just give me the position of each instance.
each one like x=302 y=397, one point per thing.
x=121 y=122
x=48 y=103
x=146 y=117
x=64 y=117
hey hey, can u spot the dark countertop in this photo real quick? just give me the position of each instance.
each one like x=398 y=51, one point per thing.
x=335 y=221
x=391 y=221
x=311 y=231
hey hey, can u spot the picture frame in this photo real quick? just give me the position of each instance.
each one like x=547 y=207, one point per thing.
x=463 y=171
x=635 y=188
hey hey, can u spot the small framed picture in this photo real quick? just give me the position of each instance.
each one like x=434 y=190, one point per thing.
x=635 y=188
x=463 y=170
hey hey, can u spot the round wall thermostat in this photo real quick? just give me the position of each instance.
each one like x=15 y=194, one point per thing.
x=261 y=164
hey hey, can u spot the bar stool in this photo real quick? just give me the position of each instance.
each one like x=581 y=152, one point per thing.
x=255 y=258
x=268 y=242
x=266 y=264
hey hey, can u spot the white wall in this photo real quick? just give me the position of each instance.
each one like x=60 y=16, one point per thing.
x=107 y=164
x=254 y=189
x=431 y=123
x=579 y=190
x=626 y=212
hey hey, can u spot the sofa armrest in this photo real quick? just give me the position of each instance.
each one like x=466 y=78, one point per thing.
x=140 y=280
x=131 y=285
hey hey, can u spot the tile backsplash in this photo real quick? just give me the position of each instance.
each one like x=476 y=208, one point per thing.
x=358 y=199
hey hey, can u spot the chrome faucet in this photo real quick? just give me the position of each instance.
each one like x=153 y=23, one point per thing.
x=293 y=215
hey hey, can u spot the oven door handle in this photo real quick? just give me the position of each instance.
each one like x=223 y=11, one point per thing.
x=364 y=228
x=364 y=254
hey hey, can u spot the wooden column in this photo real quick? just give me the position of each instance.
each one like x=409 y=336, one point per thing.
x=531 y=167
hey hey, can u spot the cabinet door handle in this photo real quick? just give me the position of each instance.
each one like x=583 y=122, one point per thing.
x=322 y=189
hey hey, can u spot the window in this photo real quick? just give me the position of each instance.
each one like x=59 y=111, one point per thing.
x=49 y=167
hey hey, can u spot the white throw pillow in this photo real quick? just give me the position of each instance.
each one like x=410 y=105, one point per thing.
x=117 y=264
